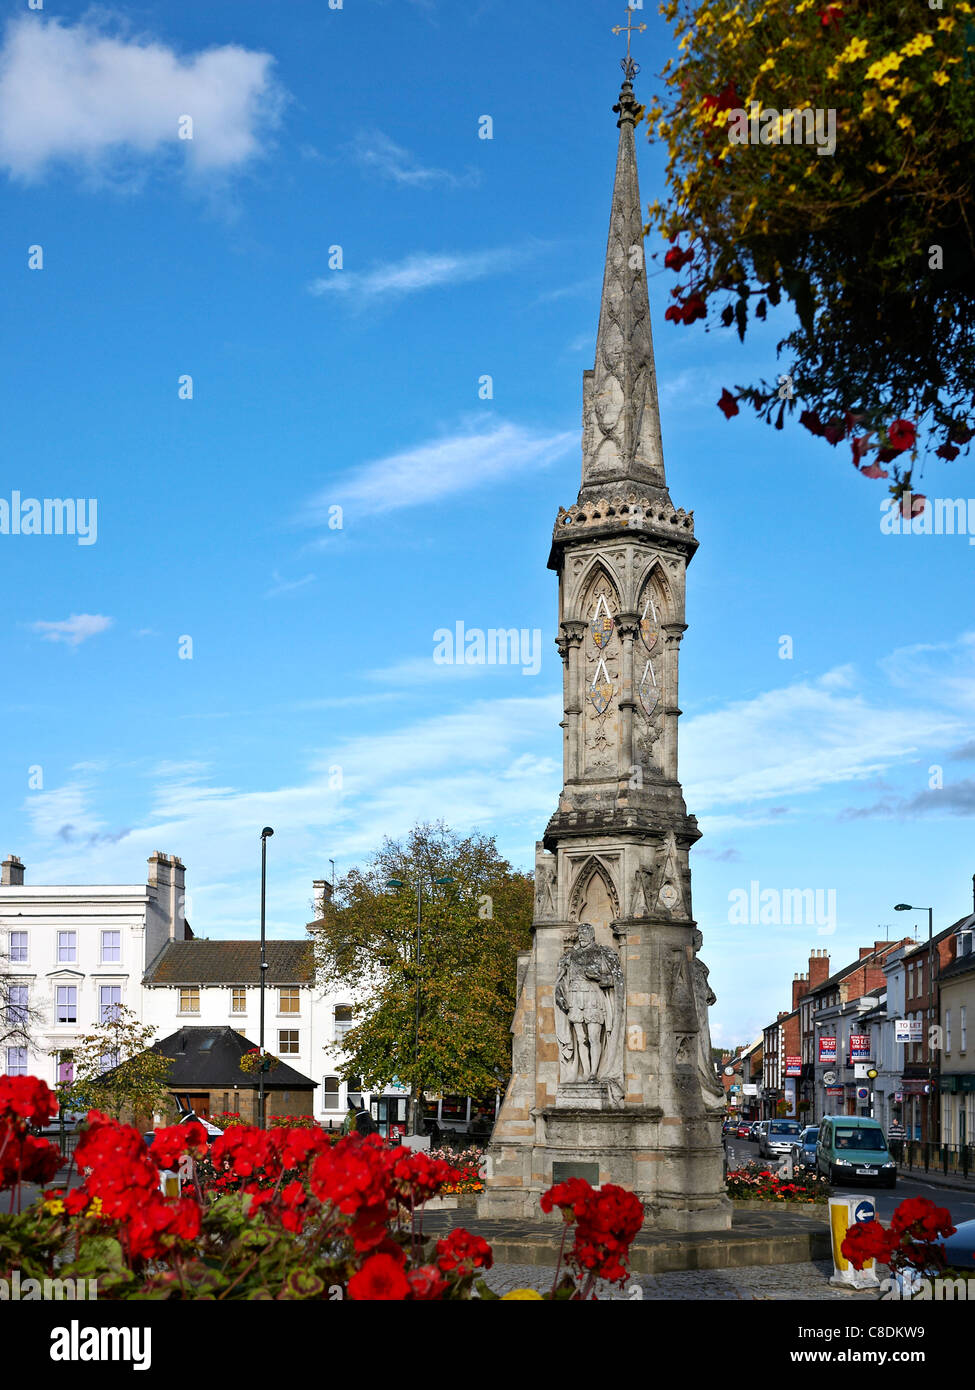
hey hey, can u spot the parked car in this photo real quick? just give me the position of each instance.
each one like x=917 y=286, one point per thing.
x=729 y=1126
x=851 y=1148
x=744 y=1129
x=960 y=1248
x=753 y=1130
x=760 y=1129
x=779 y=1138
x=804 y=1151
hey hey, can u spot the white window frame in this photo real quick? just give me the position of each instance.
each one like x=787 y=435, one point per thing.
x=67 y=1004
x=73 y=948
x=186 y=989
x=111 y=960
x=15 y=960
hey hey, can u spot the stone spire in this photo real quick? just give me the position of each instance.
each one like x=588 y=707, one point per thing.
x=621 y=421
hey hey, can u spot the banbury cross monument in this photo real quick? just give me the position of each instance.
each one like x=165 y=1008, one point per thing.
x=612 y=1073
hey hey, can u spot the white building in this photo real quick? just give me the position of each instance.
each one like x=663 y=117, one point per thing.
x=73 y=952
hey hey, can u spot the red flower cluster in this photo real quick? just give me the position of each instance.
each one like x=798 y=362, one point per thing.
x=607 y=1219
x=121 y=1172
x=462 y=1251
x=676 y=259
x=171 y=1143
x=25 y=1159
x=245 y=1152
x=692 y=308
x=920 y=1219
x=26 y=1100
x=867 y=1240
x=381 y=1279
x=419 y=1177
x=911 y=1240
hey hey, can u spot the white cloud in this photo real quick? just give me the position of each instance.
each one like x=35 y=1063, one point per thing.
x=475 y=767
x=421 y=271
x=944 y=670
x=798 y=740
x=76 y=93
x=74 y=630
x=483 y=453
x=377 y=152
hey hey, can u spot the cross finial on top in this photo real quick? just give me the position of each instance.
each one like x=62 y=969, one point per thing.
x=628 y=64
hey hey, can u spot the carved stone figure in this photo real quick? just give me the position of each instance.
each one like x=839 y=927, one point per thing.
x=545 y=880
x=589 y=1010
x=704 y=997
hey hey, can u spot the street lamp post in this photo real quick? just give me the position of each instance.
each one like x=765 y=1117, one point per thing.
x=414 y=1119
x=266 y=834
x=906 y=907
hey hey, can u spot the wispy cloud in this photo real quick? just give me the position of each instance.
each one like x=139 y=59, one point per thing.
x=416 y=273
x=442 y=468
x=800 y=739
x=379 y=154
x=287 y=586
x=74 y=630
x=78 y=94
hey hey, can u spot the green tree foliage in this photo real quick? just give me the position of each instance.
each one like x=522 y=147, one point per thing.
x=116 y=1070
x=472 y=930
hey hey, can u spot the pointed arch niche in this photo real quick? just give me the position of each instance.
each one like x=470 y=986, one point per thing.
x=650 y=675
x=594 y=897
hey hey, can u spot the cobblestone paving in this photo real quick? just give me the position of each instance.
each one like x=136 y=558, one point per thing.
x=808 y=1281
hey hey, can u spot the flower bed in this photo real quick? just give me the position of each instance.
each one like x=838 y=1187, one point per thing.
x=288 y=1213
x=757 y=1184
x=469 y=1165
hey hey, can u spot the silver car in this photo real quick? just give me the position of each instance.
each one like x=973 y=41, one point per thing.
x=779 y=1138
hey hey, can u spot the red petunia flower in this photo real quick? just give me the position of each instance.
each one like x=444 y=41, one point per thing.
x=728 y=403
x=902 y=435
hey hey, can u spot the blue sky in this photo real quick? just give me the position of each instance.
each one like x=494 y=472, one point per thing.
x=358 y=388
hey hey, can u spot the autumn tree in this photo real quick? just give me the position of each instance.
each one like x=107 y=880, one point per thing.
x=116 y=1070
x=822 y=157
x=440 y=1021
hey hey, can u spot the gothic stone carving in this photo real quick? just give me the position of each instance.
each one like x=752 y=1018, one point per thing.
x=589 y=1011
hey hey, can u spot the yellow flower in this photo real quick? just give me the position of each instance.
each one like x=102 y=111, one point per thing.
x=905 y=123
x=877 y=168
x=520 y=1296
x=54 y=1208
x=892 y=104
x=856 y=48
x=946 y=23
x=883 y=65
x=941 y=77
x=917 y=45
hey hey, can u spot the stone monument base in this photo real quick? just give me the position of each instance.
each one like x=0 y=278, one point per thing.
x=676 y=1184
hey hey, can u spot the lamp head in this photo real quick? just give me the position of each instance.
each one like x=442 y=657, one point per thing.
x=394 y=883
x=903 y=907
x=266 y=833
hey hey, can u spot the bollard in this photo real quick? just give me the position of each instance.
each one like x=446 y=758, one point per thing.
x=845 y=1212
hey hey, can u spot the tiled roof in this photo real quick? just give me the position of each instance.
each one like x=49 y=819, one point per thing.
x=211 y=1057
x=232 y=963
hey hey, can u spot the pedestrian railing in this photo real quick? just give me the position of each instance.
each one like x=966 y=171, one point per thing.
x=921 y=1153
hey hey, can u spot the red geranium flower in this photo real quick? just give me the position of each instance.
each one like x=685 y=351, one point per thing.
x=947 y=451
x=380 y=1278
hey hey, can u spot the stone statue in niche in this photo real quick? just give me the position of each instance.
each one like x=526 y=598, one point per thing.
x=704 y=997
x=589 y=1010
x=545 y=876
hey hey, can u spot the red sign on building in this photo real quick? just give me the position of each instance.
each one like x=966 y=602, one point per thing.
x=827 y=1049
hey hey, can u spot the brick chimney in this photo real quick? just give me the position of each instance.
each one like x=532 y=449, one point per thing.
x=800 y=986
x=818 y=968
x=12 y=872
